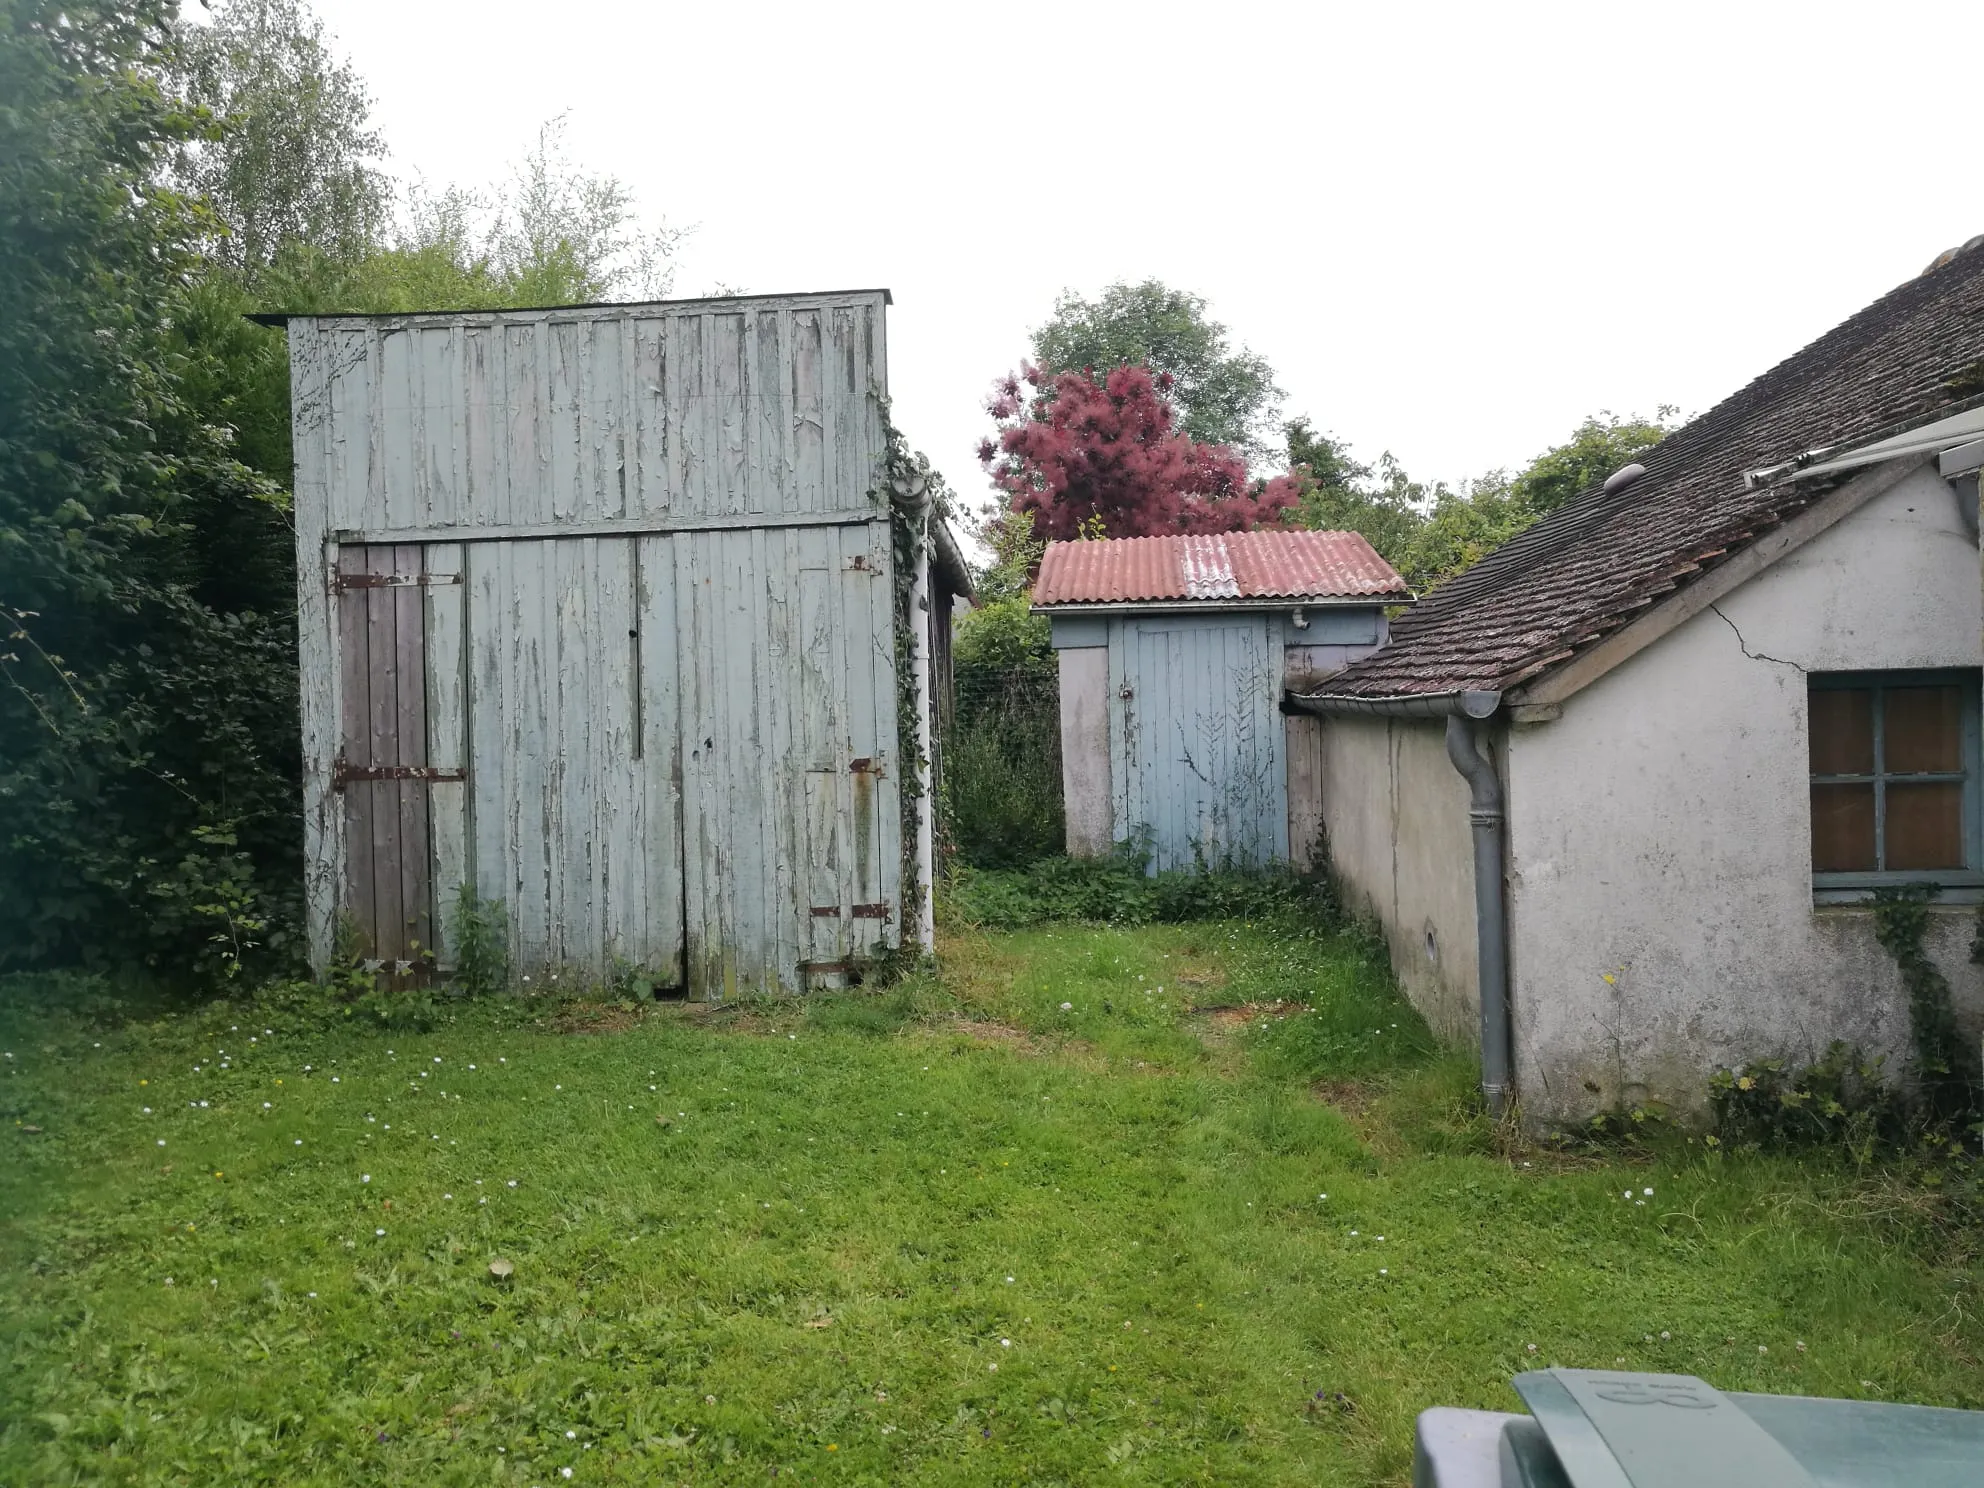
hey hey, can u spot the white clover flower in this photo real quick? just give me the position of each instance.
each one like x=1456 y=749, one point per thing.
x=1067 y=1007
x=1005 y=1343
x=378 y=1232
x=365 y=1178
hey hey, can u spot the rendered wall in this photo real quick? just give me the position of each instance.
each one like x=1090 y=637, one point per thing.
x=1660 y=870
x=1085 y=749
x=1395 y=811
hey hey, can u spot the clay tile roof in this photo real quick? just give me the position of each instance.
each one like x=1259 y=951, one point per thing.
x=1208 y=568
x=1914 y=355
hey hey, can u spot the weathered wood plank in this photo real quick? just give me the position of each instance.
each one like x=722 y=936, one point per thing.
x=808 y=448
x=382 y=748
x=447 y=741
x=660 y=844
x=490 y=760
x=414 y=933
x=613 y=527
x=357 y=898
x=321 y=699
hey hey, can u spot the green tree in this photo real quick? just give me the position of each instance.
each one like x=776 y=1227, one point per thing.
x=1223 y=395
x=1431 y=533
x=295 y=160
x=147 y=724
x=1600 y=445
x=1341 y=494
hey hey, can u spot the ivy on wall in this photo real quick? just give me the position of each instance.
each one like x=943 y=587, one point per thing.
x=1947 y=1066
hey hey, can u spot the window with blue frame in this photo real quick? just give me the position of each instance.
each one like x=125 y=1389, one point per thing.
x=1895 y=798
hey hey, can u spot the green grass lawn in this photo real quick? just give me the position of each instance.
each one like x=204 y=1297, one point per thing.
x=1035 y=1221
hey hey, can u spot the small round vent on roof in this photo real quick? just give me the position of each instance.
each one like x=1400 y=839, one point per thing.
x=1619 y=479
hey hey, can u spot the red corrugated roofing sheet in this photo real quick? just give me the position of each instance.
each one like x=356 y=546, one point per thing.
x=1216 y=566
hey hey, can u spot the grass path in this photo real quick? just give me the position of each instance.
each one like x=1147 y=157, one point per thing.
x=1038 y=1221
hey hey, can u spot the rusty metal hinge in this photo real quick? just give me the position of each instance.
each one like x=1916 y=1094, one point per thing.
x=826 y=911
x=871 y=912
x=343 y=772
x=343 y=581
x=866 y=766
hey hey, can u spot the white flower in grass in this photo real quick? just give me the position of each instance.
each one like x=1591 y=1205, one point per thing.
x=378 y=1232
x=1067 y=1007
x=1005 y=1343
x=364 y=1177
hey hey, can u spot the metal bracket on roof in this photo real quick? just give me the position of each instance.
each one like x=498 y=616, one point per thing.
x=1770 y=473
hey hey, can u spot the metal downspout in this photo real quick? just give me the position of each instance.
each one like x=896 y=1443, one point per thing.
x=1490 y=908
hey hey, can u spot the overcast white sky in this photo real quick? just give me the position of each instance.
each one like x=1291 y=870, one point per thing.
x=1453 y=230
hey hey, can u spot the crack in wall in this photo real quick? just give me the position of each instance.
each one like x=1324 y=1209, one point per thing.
x=1745 y=647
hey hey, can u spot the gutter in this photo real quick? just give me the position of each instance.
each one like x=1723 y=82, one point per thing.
x=1196 y=606
x=1466 y=749
x=1465 y=704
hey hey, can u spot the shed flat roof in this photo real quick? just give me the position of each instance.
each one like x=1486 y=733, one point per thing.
x=284 y=317
x=1211 y=567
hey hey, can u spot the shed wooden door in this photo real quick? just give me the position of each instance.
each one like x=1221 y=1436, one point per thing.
x=789 y=762
x=575 y=793
x=383 y=767
x=1197 y=763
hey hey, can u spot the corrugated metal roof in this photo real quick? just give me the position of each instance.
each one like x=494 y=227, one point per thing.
x=1215 y=566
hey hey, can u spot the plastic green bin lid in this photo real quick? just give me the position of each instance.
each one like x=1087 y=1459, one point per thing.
x=1622 y=1430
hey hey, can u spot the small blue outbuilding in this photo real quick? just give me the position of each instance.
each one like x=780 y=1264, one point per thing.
x=1174 y=652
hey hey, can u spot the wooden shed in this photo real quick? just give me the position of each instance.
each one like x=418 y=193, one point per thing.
x=621 y=616
x=1174 y=652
